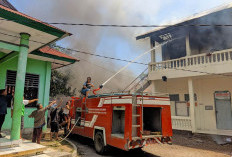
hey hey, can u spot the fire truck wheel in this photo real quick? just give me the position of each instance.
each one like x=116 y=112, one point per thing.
x=99 y=143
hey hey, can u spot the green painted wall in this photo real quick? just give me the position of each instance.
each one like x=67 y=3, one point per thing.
x=41 y=68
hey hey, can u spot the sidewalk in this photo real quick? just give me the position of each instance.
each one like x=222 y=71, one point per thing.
x=25 y=147
x=10 y=148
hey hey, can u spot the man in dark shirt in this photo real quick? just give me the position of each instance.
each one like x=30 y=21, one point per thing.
x=54 y=116
x=4 y=99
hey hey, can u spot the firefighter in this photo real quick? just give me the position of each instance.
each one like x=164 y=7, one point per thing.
x=86 y=87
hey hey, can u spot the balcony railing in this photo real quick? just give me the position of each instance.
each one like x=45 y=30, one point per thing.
x=181 y=123
x=195 y=60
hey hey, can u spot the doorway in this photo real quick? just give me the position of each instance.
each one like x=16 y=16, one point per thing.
x=223 y=110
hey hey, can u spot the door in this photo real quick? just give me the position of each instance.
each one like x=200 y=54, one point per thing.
x=223 y=110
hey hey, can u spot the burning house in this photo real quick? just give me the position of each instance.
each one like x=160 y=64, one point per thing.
x=193 y=63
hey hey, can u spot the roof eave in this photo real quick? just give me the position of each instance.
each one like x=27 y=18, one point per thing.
x=26 y=20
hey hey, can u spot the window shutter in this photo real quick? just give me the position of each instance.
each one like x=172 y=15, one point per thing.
x=31 y=80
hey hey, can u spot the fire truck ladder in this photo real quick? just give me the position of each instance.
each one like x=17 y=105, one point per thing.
x=137 y=118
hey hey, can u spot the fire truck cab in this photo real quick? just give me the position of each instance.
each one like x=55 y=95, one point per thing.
x=124 y=121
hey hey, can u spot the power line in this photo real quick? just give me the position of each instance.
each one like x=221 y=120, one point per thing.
x=118 y=58
x=102 y=67
x=106 y=57
x=140 y=26
x=126 y=26
x=64 y=48
x=78 y=51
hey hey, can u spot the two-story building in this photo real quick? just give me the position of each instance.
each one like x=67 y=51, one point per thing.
x=195 y=56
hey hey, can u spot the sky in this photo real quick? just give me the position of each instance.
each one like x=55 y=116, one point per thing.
x=115 y=42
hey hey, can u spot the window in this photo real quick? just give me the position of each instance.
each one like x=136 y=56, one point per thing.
x=182 y=109
x=186 y=97
x=31 y=89
x=174 y=97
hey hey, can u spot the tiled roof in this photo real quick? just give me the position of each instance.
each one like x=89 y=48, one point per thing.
x=54 y=52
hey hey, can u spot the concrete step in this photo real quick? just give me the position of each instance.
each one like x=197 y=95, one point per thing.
x=25 y=149
x=7 y=143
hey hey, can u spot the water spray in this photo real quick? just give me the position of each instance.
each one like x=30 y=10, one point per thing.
x=123 y=68
x=134 y=60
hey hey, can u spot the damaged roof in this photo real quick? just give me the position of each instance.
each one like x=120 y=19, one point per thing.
x=163 y=33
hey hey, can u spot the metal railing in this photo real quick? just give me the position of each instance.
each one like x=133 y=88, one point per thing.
x=195 y=60
x=136 y=83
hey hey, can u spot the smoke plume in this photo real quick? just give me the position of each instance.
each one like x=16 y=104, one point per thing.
x=119 y=43
x=104 y=41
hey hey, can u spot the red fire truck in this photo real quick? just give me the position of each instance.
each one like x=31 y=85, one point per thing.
x=124 y=121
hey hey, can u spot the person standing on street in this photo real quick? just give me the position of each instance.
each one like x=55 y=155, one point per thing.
x=25 y=102
x=66 y=111
x=4 y=100
x=54 y=118
x=39 y=121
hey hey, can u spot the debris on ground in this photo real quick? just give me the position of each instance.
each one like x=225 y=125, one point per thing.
x=222 y=140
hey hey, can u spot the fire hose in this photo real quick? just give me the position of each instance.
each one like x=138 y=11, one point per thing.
x=95 y=90
x=70 y=131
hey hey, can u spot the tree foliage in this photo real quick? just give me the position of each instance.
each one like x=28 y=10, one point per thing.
x=59 y=84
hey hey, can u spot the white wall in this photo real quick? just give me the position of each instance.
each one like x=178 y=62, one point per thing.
x=206 y=119
x=204 y=87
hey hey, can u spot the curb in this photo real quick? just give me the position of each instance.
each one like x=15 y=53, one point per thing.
x=74 y=154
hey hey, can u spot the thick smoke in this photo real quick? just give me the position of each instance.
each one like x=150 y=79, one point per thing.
x=214 y=37
x=203 y=39
x=104 y=41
